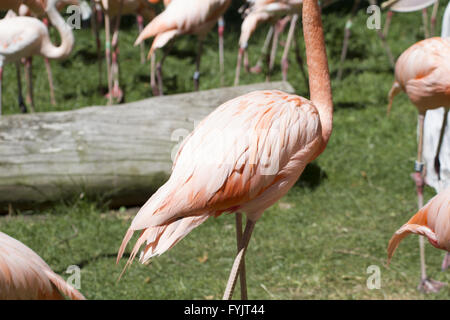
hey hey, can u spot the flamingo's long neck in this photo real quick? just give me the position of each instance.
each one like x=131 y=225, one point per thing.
x=65 y=32
x=316 y=57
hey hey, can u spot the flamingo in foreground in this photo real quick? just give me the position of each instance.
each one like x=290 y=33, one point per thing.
x=25 y=276
x=423 y=72
x=431 y=221
x=182 y=17
x=242 y=158
x=23 y=37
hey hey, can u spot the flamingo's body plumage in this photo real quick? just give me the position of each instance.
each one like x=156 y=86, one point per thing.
x=183 y=17
x=25 y=276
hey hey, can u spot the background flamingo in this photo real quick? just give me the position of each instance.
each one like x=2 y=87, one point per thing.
x=23 y=37
x=36 y=8
x=411 y=6
x=183 y=17
x=25 y=276
x=426 y=84
x=267 y=11
x=270 y=136
x=113 y=10
x=431 y=221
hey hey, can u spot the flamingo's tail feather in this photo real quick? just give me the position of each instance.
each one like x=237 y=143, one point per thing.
x=63 y=287
x=396 y=89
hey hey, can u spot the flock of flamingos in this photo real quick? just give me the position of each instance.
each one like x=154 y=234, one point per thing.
x=238 y=183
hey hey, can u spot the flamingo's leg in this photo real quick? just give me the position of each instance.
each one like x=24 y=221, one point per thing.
x=22 y=106
x=258 y=66
x=433 y=18
x=153 y=75
x=347 y=34
x=108 y=54
x=140 y=23
x=242 y=277
x=220 y=30
x=50 y=81
x=425 y=23
x=159 y=68
x=96 y=21
x=238 y=260
x=426 y=285
x=387 y=24
x=116 y=91
x=273 y=51
x=238 y=65
x=96 y=18
x=284 y=59
x=29 y=78
x=197 y=65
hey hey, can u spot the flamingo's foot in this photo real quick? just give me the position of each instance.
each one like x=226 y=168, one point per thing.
x=446 y=262
x=430 y=286
x=116 y=94
x=256 y=69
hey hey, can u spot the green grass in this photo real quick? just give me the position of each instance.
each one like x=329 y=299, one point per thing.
x=316 y=243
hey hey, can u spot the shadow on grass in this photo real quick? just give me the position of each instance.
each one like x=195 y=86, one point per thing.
x=311 y=177
x=81 y=264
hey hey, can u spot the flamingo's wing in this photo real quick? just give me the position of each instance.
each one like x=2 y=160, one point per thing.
x=24 y=275
x=239 y=151
x=183 y=16
x=17 y=33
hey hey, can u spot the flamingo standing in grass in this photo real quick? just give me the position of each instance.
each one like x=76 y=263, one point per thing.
x=243 y=157
x=23 y=37
x=260 y=11
x=423 y=72
x=36 y=8
x=431 y=221
x=182 y=17
x=25 y=276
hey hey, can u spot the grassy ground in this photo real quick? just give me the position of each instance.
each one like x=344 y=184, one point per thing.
x=316 y=243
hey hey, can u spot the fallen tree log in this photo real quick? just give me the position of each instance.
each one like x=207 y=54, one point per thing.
x=121 y=153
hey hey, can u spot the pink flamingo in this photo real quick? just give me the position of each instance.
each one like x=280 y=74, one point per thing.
x=431 y=221
x=36 y=8
x=271 y=11
x=182 y=17
x=114 y=9
x=23 y=37
x=25 y=276
x=243 y=157
x=423 y=72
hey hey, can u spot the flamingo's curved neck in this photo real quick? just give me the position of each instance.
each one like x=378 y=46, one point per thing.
x=65 y=32
x=316 y=57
